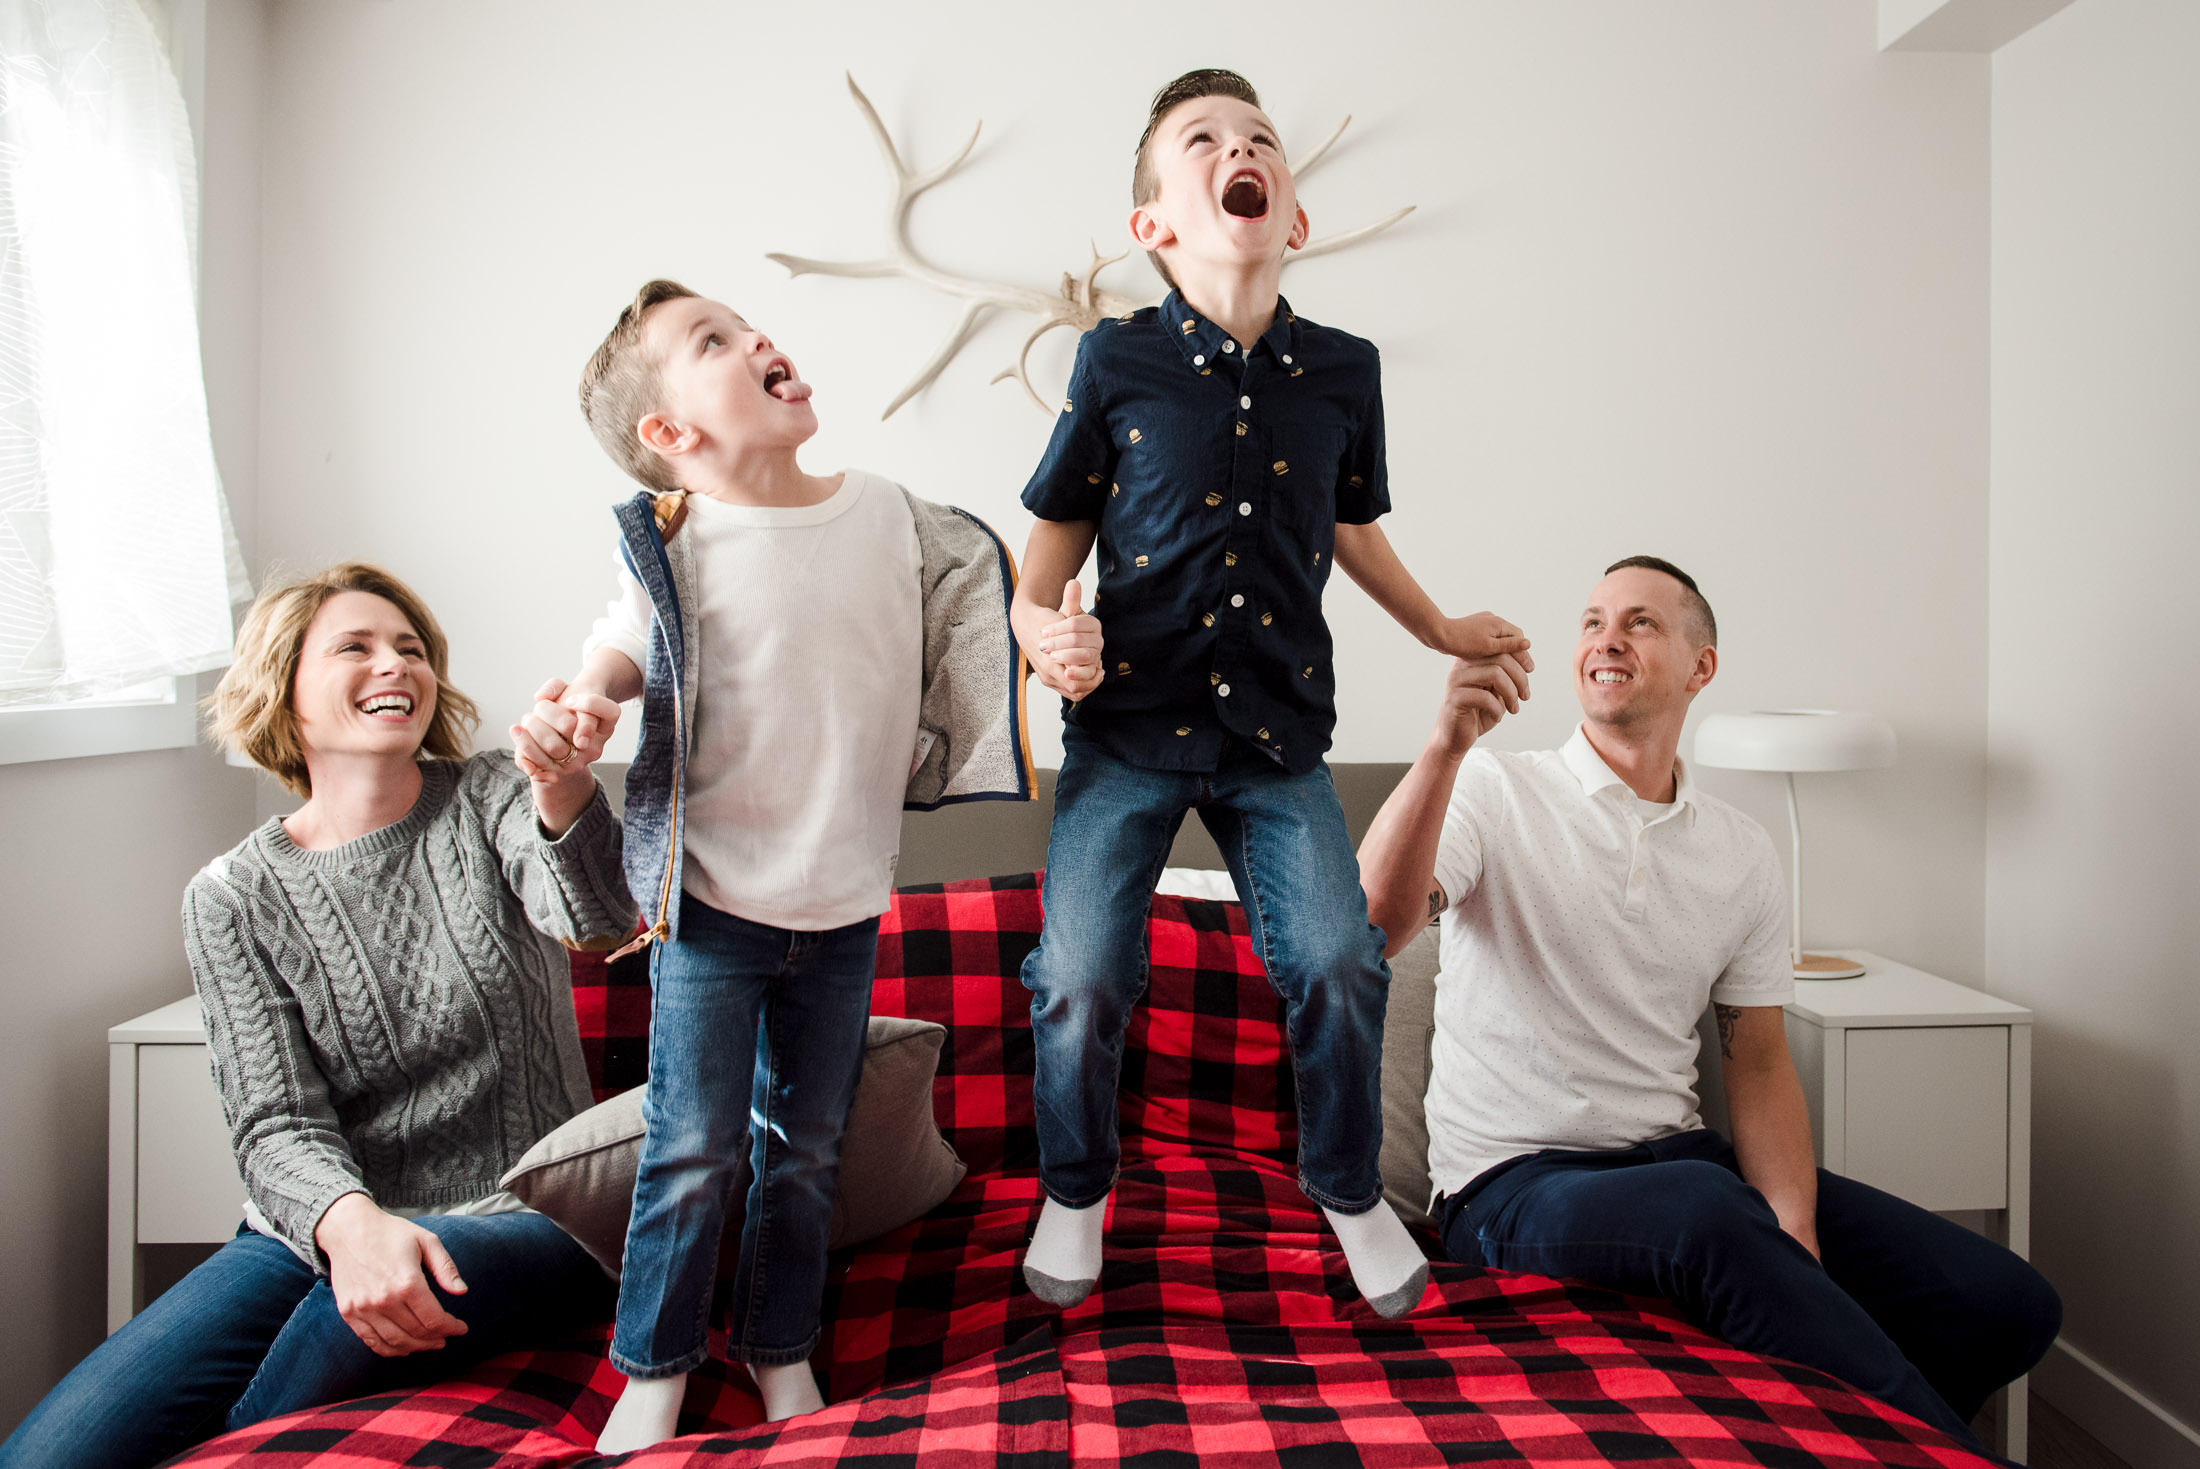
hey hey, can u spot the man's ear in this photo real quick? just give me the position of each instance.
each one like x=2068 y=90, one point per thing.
x=1149 y=229
x=657 y=431
x=1299 y=232
x=1706 y=669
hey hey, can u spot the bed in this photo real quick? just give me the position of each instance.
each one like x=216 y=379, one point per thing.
x=1226 y=1331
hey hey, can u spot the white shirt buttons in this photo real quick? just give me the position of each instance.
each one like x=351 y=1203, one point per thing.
x=1229 y=346
x=1238 y=600
x=1245 y=402
x=1199 y=359
x=1245 y=507
x=1287 y=359
x=1223 y=689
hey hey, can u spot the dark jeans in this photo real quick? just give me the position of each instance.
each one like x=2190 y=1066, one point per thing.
x=252 y=1334
x=745 y=1020
x=1912 y=1309
x=1284 y=839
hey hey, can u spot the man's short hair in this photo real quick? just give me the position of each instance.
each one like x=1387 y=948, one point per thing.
x=623 y=384
x=1704 y=627
x=1208 y=81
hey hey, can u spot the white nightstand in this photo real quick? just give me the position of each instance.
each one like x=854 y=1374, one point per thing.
x=1923 y=1087
x=171 y=1177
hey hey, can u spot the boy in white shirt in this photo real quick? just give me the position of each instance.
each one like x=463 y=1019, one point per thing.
x=813 y=653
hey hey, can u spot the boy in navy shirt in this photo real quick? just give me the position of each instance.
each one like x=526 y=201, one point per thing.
x=1224 y=452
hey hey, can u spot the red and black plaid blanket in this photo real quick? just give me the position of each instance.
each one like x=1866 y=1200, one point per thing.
x=1226 y=1333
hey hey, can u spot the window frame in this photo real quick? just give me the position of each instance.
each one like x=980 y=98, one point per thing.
x=101 y=726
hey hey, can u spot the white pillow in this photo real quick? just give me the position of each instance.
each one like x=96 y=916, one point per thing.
x=1197 y=882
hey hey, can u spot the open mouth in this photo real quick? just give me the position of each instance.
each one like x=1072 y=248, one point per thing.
x=400 y=705
x=1610 y=676
x=781 y=383
x=1245 y=195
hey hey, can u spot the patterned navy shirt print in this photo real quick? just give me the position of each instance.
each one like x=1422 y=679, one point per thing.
x=1218 y=471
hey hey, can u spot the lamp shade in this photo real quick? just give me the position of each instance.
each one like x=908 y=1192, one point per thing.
x=1795 y=739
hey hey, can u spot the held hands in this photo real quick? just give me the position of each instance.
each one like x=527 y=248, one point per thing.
x=375 y=1265
x=554 y=744
x=1477 y=694
x=1483 y=635
x=1067 y=654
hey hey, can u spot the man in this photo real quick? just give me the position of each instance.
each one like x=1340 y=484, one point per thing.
x=1593 y=901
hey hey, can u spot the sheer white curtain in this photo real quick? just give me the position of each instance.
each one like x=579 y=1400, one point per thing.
x=116 y=566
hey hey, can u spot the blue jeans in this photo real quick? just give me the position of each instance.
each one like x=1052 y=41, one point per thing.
x=252 y=1333
x=747 y=1022
x=1908 y=1307
x=1284 y=840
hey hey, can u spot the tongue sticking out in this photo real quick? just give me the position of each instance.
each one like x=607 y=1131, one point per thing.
x=790 y=390
x=1245 y=197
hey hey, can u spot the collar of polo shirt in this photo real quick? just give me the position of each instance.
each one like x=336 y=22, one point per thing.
x=1596 y=777
x=1202 y=342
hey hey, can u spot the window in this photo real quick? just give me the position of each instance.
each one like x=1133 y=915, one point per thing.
x=117 y=566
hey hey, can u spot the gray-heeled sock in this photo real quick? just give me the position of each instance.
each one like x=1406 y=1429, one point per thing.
x=1062 y=1262
x=1386 y=1264
x=1390 y=1305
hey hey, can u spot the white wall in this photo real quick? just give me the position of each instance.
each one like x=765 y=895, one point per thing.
x=2091 y=867
x=1704 y=279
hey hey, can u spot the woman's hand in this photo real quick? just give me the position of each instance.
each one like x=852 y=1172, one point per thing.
x=374 y=1268
x=574 y=723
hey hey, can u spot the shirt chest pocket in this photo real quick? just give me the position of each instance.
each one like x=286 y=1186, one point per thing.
x=1299 y=475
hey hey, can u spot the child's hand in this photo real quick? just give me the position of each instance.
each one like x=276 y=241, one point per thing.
x=1067 y=656
x=553 y=745
x=1482 y=635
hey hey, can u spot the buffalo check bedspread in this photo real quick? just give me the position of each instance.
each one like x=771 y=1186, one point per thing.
x=1226 y=1333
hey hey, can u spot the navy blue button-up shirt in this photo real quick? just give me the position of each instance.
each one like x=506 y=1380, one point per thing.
x=1218 y=471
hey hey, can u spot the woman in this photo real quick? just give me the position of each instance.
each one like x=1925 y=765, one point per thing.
x=390 y=1029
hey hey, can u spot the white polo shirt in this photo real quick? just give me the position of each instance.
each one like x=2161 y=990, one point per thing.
x=1587 y=931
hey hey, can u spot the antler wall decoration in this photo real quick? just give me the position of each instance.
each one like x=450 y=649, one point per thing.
x=1077 y=302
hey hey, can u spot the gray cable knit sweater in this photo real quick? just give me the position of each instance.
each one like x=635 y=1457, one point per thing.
x=396 y=1014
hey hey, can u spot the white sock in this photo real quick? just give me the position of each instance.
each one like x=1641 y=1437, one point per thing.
x=647 y=1412
x=1387 y=1265
x=1063 y=1259
x=789 y=1390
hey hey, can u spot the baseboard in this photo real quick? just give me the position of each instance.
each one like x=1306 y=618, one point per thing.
x=2129 y=1424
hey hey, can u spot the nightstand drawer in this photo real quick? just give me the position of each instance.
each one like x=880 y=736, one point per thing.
x=1928 y=1114
x=187 y=1186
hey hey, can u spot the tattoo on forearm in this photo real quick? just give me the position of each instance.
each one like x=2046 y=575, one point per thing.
x=1435 y=903
x=1728 y=1017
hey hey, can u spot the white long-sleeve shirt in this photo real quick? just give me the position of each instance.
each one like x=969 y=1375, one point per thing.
x=810 y=655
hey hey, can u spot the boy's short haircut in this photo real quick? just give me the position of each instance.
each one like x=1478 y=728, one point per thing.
x=621 y=386
x=1209 y=81
x=252 y=710
x=1703 y=627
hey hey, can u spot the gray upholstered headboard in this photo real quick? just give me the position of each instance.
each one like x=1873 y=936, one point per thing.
x=991 y=838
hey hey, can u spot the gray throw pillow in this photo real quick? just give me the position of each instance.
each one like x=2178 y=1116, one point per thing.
x=1409 y=1030
x=894 y=1165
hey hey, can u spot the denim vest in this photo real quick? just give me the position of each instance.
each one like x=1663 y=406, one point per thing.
x=970 y=718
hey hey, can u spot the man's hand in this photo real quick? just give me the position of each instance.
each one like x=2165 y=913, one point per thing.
x=1066 y=653
x=554 y=744
x=1477 y=694
x=1483 y=635
x=375 y=1270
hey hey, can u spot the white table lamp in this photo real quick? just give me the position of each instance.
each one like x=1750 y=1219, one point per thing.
x=1787 y=741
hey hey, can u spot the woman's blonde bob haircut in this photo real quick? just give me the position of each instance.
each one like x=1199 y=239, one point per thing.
x=250 y=711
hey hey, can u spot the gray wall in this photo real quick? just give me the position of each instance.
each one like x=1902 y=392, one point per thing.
x=91 y=878
x=2092 y=867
